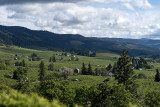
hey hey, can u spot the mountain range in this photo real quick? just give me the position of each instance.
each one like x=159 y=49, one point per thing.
x=38 y=39
x=146 y=42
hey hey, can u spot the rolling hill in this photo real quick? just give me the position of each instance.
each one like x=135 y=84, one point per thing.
x=36 y=39
x=146 y=42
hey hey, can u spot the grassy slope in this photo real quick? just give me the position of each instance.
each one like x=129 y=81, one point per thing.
x=102 y=59
x=10 y=52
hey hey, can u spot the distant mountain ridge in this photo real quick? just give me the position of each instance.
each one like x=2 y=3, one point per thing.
x=143 y=41
x=36 y=39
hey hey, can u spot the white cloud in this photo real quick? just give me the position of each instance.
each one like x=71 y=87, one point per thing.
x=85 y=19
x=128 y=6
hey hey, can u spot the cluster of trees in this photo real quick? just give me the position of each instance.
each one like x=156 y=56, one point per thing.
x=82 y=52
x=103 y=71
x=102 y=95
x=141 y=63
x=86 y=71
x=52 y=59
x=118 y=95
x=22 y=63
x=73 y=58
x=76 y=51
x=20 y=74
x=4 y=64
x=35 y=57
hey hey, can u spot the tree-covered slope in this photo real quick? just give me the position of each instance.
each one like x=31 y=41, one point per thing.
x=146 y=42
x=20 y=36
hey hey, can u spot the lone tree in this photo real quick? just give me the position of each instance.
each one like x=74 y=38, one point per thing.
x=23 y=63
x=157 y=77
x=41 y=71
x=54 y=58
x=125 y=74
x=90 y=69
x=84 y=70
x=51 y=67
x=109 y=67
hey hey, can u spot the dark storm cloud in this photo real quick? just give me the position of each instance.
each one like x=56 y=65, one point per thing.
x=10 y=2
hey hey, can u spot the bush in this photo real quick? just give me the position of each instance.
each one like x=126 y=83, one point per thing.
x=66 y=72
x=3 y=66
x=20 y=73
x=141 y=76
x=12 y=98
x=152 y=99
x=54 y=76
x=7 y=62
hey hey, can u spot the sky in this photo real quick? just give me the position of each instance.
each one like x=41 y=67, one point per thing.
x=90 y=18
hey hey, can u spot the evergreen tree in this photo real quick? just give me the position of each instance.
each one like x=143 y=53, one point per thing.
x=157 y=76
x=23 y=64
x=84 y=70
x=3 y=66
x=109 y=67
x=41 y=71
x=20 y=74
x=54 y=58
x=50 y=59
x=22 y=86
x=51 y=67
x=77 y=59
x=17 y=63
x=72 y=57
x=97 y=71
x=90 y=72
x=124 y=73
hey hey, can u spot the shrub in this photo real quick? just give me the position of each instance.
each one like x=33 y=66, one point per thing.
x=3 y=66
x=141 y=76
x=66 y=72
x=152 y=99
x=12 y=98
x=20 y=73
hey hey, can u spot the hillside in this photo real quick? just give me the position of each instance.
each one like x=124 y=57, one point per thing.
x=34 y=39
x=146 y=42
x=86 y=84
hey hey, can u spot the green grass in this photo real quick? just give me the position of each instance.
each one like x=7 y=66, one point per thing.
x=8 y=53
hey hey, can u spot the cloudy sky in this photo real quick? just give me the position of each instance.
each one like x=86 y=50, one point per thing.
x=90 y=18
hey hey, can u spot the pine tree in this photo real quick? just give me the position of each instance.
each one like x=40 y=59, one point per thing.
x=109 y=67
x=50 y=59
x=84 y=70
x=51 y=67
x=77 y=59
x=157 y=76
x=125 y=74
x=23 y=63
x=54 y=58
x=90 y=69
x=41 y=71
x=20 y=74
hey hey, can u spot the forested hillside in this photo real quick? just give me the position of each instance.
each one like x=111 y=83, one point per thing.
x=145 y=42
x=27 y=38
